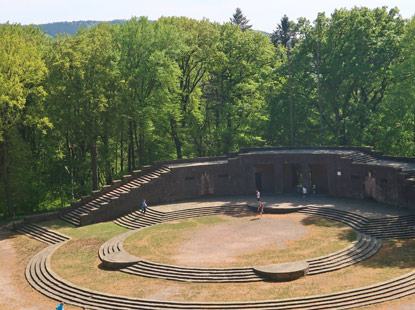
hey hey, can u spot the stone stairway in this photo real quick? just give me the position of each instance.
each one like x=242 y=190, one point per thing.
x=41 y=234
x=396 y=227
x=73 y=216
x=40 y=275
x=136 y=220
x=363 y=248
x=360 y=157
x=353 y=220
x=409 y=175
x=150 y=269
x=208 y=211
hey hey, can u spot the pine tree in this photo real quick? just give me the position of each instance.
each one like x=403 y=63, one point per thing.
x=239 y=19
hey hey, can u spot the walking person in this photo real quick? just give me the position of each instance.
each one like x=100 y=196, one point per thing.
x=61 y=306
x=261 y=208
x=304 y=192
x=258 y=197
x=314 y=189
x=143 y=207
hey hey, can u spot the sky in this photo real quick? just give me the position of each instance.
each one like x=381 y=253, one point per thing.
x=264 y=15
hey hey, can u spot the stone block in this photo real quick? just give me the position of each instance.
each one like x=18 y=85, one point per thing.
x=284 y=272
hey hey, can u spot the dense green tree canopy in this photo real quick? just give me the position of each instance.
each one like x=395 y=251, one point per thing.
x=81 y=110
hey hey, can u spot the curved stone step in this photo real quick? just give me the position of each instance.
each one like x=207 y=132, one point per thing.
x=42 y=278
x=42 y=234
x=351 y=219
x=363 y=248
x=135 y=220
x=397 y=227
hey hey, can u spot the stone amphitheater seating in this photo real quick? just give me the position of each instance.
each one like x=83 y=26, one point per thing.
x=364 y=247
x=370 y=233
x=41 y=276
x=104 y=197
x=41 y=234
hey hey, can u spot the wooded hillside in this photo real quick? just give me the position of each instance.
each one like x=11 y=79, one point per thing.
x=81 y=110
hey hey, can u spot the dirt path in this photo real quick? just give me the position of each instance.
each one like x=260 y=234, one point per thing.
x=224 y=242
x=15 y=292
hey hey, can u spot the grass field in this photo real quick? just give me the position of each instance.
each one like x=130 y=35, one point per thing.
x=161 y=242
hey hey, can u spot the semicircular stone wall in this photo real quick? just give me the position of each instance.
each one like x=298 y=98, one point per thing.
x=339 y=172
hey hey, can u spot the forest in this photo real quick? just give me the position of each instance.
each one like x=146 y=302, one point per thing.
x=78 y=111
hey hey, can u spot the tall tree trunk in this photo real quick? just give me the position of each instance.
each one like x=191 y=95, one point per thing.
x=122 y=150
x=71 y=166
x=131 y=154
x=107 y=162
x=138 y=145
x=141 y=143
x=94 y=167
x=5 y=173
x=290 y=98
x=320 y=109
x=175 y=136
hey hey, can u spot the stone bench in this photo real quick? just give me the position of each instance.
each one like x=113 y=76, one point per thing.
x=284 y=272
x=118 y=260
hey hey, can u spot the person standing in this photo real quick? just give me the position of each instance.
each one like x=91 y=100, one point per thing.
x=258 y=197
x=61 y=306
x=314 y=189
x=143 y=207
x=261 y=208
x=304 y=192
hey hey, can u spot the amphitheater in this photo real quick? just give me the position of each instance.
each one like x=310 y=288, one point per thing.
x=194 y=188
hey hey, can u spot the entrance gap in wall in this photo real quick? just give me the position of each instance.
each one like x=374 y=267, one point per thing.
x=319 y=177
x=292 y=177
x=264 y=178
x=258 y=181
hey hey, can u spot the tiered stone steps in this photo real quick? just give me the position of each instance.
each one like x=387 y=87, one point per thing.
x=353 y=220
x=137 y=220
x=41 y=234
x=150 y=269
x=207 y=211
x=73 y=216
x=396 y=227
x=360 y=157
x=42 y=278
x=409 y=175
x=363 y=248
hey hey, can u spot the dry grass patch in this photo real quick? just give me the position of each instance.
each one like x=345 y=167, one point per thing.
x=77 y=262
x=164 y=243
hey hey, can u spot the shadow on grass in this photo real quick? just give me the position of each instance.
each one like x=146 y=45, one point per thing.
x=393 y=254
x=56 y=224
x=347 y=234
x=255 y=219
x=6 y=233
x=241 y=215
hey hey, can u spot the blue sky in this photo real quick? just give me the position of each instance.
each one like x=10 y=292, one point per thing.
x=263 y=15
